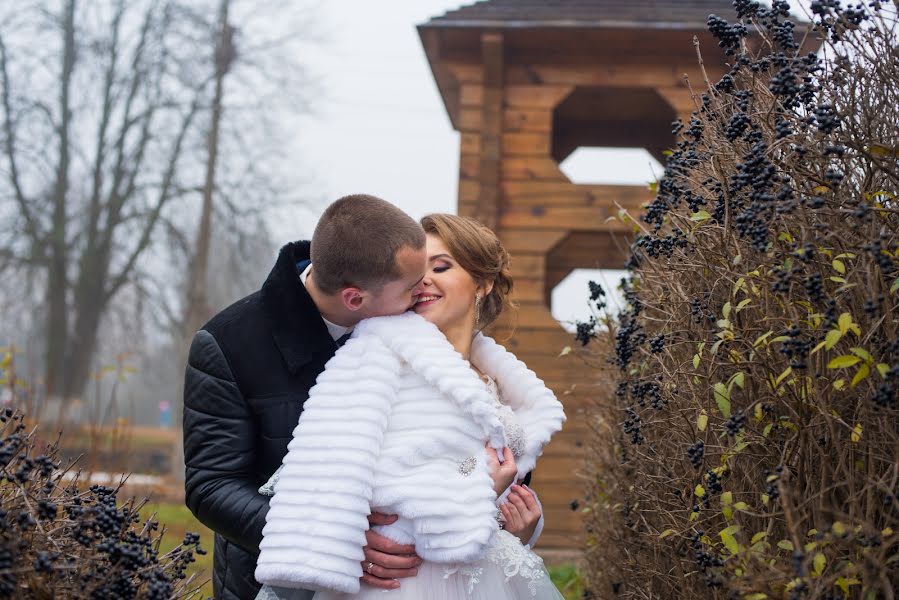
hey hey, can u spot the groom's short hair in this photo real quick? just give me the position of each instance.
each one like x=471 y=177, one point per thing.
x=356 y=241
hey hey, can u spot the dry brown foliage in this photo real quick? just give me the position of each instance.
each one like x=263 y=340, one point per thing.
x=752 y=448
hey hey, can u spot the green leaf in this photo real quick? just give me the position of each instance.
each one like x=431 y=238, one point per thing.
x=695 y=361
x=726 y=310
x=785 y=545
x=839 y=267
x=741 y=506
x=844 y=582
x=862 y=354
x=895 y=286
x=833 y=336
x=783 y=376
x=819 y=562
x=722 y=399
x=761 y=339
x=700 y=216
x=743 y=303
x=837 y=279
x=759 y=537
x=839 y=384
x=741 y=283
x=730 y=542
x=702 y=421
x=767 y=430
x=756 y=596
x=727 y=498
x=844 y=322
x=843 y=361
x=738 y=379
x=863 y=371
x=883 y=369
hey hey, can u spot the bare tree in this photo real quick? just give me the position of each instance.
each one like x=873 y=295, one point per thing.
x=99 y=187
x=92 y=172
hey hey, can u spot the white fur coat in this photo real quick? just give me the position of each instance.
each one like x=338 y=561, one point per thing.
x=397 y=423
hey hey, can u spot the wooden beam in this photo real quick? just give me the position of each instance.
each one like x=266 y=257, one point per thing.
x=536 y=96
x=588 y=218
x=553 y=193
x=526 y=144
x=532 y=167
x=523 y=119
x=489 y=197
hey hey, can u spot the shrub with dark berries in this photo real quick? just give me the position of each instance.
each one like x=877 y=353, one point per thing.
x=749 y=449
x=58 y=540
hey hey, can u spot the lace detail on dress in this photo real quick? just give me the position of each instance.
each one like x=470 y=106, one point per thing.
x=515 y=437
x=515 y=560
x=268 y=488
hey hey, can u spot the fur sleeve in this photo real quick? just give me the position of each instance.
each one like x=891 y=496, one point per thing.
x=536 y=408
x=315 y=528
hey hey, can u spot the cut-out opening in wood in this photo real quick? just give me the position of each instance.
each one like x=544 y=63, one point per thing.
x=570 y=299
x=612 y=118
x=611 y=166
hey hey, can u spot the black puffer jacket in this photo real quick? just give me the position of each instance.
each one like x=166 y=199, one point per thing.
x=248 y=374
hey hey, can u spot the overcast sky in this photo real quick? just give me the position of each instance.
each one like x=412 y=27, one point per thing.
x=382 y=128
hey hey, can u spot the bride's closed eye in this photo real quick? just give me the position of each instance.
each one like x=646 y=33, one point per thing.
x=441 y=269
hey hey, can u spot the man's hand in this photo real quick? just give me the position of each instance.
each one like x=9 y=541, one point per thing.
x=521 y=512
x=503 y=474
x=385 y=560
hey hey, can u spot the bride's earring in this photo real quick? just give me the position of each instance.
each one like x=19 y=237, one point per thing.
x=477 y=309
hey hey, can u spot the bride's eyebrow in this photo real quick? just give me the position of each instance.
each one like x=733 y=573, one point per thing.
x=436 y=256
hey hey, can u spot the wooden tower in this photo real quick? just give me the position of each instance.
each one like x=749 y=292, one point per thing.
x=526 y=82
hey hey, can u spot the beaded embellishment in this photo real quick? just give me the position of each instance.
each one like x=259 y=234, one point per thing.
x=466 y=467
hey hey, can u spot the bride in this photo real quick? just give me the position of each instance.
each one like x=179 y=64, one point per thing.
x=398 y=424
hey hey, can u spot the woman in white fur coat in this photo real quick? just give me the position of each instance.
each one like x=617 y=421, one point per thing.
x=397 y=424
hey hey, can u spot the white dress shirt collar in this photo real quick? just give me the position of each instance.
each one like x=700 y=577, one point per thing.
x=336 y=331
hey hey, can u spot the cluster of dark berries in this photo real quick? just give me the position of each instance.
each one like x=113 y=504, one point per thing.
x=696 y=453
x=735 y=423
x=657 y=343
x=796 y=348
x=596 y=293
x=728 y=35
x=648 y=390
x=585 y=331
x=628 y=338
x=772 y=490
x=633 y=426
x=707 y=561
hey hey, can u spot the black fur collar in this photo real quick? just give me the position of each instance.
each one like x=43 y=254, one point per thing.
x=297 y=325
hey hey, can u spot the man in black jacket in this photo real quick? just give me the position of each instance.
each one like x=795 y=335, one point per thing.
x=251 y=367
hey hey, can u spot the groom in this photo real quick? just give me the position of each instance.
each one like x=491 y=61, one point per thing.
x=251 y=367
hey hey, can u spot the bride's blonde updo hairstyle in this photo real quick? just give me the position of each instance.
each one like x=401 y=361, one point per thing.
x=477 y=250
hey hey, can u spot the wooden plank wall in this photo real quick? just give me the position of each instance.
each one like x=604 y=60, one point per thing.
x=534 y=207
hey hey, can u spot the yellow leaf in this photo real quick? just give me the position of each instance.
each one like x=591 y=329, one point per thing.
x=761 y=339
x=819 y=562
x=759 y=537
x=844 y=321
x=862 y=354
x=722 y=399
x=785 y=545
x=833 y=336
x=565 y=351
x=743 y=304
x=895 y=286
x=756 y=596
x=839 y=267
x=820 y=189
x=695 y=361
x=783 y=376
x=863 y=371
x=741 y=506
x=839 y=384
x=843 y=361
x=856 y=434
x=700 y=216
x=739 y=379
x=702 y=421
x=666 y=533
x=883 y=369
x=727 y=498
x=725 y=310
x=838 y=528
x=730 y=542
x=699 y=491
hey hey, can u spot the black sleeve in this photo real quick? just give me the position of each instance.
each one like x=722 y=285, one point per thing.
x=219 y=448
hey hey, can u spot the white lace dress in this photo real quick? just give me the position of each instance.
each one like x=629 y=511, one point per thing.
x=509 y=570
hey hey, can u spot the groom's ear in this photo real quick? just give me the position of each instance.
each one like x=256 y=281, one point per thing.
x=352 y=298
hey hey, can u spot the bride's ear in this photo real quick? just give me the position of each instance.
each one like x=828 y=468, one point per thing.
x=487 y=287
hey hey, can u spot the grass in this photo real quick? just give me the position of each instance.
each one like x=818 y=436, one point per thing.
x=568 y=580
x=178 y=520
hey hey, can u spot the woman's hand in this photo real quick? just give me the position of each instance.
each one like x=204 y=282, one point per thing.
x=385 y=560
x=503 y=474
x=522 y=513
